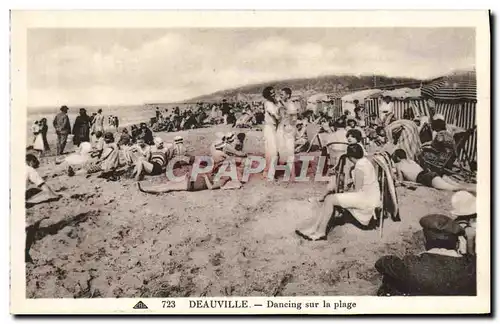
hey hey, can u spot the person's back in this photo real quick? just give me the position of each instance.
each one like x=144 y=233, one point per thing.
x=370 y=181
x=436 y=274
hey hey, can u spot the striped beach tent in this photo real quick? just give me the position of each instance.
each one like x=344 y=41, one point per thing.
x=461 y=114
x=453 y=87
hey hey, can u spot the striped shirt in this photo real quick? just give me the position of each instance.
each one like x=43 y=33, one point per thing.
x=159 y=156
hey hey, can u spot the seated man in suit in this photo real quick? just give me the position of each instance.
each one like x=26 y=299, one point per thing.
x=440 y=271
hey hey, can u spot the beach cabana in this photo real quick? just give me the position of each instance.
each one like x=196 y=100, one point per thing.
x=455 y=96
x=314 y=101
x=348 y=100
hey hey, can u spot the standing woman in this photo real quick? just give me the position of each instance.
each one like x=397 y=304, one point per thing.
x=271 y=121
x=287 y=127
x=81 y=128
x=44 y=128
x=38 y=143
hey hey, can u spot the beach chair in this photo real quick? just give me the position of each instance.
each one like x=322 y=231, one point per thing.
x=389 y=199
x=449 y=164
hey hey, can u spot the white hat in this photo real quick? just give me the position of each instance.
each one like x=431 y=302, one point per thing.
x=178 y=139
x=463 y=203
x=158 y=140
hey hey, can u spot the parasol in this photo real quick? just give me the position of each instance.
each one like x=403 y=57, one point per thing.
x=457 y=86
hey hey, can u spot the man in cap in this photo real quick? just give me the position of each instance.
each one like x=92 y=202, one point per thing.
x=463 y=206
x=63 y=128
x=440 y=271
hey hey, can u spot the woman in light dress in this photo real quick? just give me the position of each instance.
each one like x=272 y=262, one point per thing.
x=287 y=127
x=271 y=121
x=38 y=144
x=360 y=203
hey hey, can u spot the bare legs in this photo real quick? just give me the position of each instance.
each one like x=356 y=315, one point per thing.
x=46 y=195
x=142 y=166
x=317 y=229
x=446 y=183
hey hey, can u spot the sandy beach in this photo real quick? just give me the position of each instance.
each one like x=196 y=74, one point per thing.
x=106 y=239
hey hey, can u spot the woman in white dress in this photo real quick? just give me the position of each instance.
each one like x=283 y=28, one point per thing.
x=271 y=121
x=360 y=203
x=38 y=144
x=287 y=127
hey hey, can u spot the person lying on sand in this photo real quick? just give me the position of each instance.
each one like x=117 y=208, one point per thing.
x=44 y=192
x=155 y=163
x=410 y=170
x=206 y=181
x=360 y=203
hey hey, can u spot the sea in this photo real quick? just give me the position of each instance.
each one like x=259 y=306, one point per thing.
x=127 y=114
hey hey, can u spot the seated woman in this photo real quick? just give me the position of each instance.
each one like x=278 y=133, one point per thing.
x=301 y=140
x=140 y=150
x=108 y=161
x=442 y=146
x=360 y=203
x=43 y=192
x=154 y=163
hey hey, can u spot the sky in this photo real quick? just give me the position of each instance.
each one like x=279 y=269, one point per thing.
x=136 y=66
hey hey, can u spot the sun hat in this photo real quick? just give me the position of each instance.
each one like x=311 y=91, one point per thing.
x=178 y=139
x=463 y=203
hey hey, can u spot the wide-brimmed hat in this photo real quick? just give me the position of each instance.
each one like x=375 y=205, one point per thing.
x=463 y=203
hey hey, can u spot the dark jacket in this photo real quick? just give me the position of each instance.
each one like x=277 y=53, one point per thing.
x=61 y=123
x=427 y=274
x=81 y=129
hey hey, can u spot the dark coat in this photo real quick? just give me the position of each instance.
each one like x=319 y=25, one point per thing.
x=61 y=123
x=81 y=129
x=427 y=274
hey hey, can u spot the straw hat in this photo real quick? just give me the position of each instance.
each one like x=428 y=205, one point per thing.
x=178 y=139
x=463 y=203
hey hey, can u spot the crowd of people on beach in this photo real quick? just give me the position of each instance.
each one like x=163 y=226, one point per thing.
x=366 y=158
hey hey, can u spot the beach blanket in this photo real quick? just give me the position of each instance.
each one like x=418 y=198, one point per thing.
x=405 y=135
x=385 y=166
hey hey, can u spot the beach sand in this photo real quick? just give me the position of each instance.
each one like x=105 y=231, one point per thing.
x=106 y=239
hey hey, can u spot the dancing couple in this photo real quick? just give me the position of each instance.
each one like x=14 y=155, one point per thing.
x=279 y=127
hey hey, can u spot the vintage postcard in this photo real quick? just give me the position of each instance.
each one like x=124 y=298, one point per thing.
x=250 y=162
